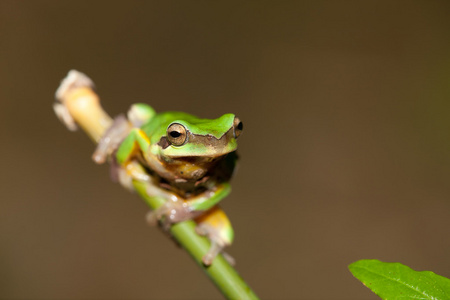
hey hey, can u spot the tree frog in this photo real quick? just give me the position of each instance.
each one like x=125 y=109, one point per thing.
x=189 y=162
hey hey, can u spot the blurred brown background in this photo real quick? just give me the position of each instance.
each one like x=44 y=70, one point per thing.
x=345 y=153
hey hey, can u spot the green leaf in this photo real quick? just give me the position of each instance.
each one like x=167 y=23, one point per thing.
x=397 y=281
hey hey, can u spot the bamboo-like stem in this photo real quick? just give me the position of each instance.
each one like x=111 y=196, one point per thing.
x=80 y=105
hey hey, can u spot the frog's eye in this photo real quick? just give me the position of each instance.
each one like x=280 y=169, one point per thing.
x=176 y=134
x=238 y=127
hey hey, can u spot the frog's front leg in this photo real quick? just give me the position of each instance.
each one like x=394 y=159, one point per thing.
x=138 y=114
x=111 y=139
x=124 y=166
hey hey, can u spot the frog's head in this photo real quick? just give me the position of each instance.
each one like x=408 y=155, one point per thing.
x=194 y=137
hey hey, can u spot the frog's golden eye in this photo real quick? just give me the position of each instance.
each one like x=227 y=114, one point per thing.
x=176 y=134
x=238 y=127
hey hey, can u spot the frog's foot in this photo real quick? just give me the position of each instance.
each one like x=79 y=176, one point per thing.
x=140 y=113
x=72 y=81
x=217 y=244
x=171 y=212
x=112 y=138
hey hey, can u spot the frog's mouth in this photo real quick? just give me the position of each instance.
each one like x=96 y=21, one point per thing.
x=200 y=160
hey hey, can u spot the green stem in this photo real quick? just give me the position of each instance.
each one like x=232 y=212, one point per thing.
x=220 y=271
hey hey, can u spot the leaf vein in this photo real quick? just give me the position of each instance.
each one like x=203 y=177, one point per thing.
x=401 y=282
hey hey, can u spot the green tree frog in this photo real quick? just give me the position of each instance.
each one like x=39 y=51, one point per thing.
x=189 y=162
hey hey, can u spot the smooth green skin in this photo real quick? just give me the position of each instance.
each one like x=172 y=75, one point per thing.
x=397 y=281
x=155 y=127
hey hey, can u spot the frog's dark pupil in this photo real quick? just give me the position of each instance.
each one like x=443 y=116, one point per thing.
x=240 y=126
x=175 y=134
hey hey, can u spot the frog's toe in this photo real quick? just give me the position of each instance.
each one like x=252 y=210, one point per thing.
x=64 y=116
x=73 y=80
x=213 y=251
x=112 y=138
x=162 y=214
x=140 y=113
x=230 y=259
x=218 y=243
x=154 y=216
